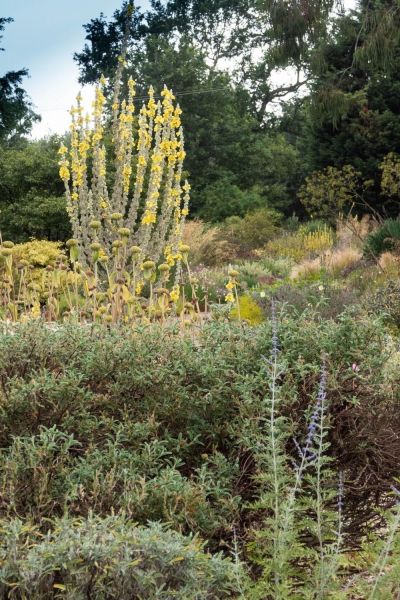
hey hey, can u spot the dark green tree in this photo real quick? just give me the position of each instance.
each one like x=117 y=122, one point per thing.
x=353 y=111
x=230 y=158
x=31 y=193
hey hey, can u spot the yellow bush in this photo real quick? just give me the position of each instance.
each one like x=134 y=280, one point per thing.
x=299 y=246
x=38 y=253
x=250 y=311
x=318 y=241
x=288 y=246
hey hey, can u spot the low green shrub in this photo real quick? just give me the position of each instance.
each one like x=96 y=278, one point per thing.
x=325 y=298
x=254 y=230
x=385 y=301
x=153 y=424
x=108 y=558
x=383 y=239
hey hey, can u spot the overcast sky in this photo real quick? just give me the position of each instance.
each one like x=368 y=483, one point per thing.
x=43 y=38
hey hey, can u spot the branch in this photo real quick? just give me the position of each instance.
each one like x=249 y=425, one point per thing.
x=279 y=92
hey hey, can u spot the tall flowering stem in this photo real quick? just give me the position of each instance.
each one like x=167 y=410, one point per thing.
x=132 y=196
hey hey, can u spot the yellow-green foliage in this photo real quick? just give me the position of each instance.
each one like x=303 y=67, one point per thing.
x=38 y=253
x=249 y=311
x=254 y=229
x=38 y=279
x=318 y=241
x=326 y=193
x=299 y=246
x=289 y=246
x=390 y=167
x=145 y=201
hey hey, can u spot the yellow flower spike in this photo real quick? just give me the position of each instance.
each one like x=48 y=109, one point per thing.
x=64 y=172
x=131 y=85
x=152 y=162
x=148 y=218
x=175 y=293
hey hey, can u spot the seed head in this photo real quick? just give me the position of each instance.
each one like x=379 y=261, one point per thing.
x=124 y=232
x=149 y=265
x=163 y=267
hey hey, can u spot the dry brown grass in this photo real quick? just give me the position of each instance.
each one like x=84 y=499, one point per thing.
x=334 y=261
x=207 y=245
x=352 y=231
x=389 y=262
x=342 y=258
x=306 y=268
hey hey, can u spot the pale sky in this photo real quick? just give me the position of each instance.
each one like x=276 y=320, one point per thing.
x=43 y=38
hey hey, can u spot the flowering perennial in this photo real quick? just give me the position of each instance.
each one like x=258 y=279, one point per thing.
x=128 y=204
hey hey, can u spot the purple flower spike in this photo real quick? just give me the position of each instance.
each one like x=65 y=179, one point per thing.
x=275 y=340
x=319 y=404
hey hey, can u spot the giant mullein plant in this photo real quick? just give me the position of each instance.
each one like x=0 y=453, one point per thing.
x=137 y=218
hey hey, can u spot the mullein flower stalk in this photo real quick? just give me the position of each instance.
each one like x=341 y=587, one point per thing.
x=147 y=204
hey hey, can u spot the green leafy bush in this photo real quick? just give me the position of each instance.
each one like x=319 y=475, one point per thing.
x=38 y=216
x=384 y=239
x=254 y=230
x=385 y=301
x=157 y=425
x=224 y=199
x=108 y=558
